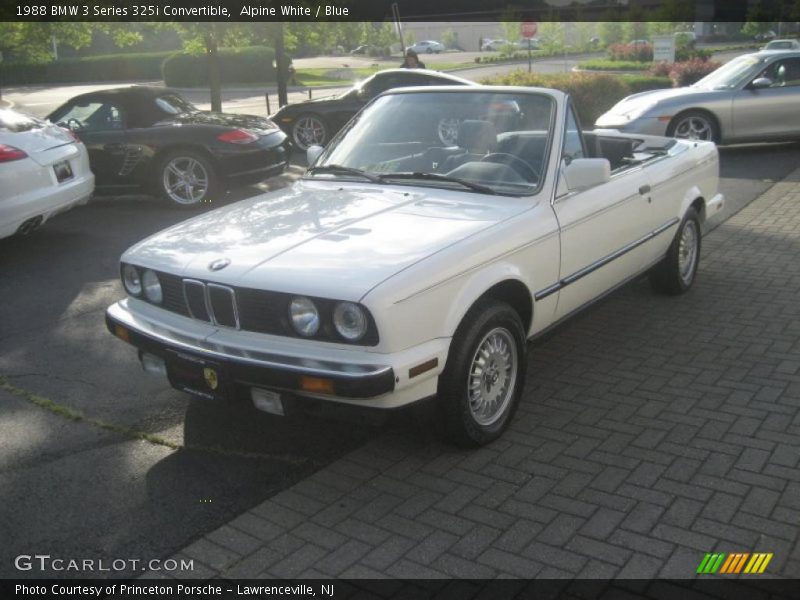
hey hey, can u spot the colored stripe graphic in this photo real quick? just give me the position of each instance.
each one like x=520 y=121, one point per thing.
x=711 y=563
x=758 y=563
x=731 y=559
x=734 y=563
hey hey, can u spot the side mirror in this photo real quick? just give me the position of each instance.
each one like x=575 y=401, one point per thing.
x=587 y=172
x=761 y=82
x=312 y=154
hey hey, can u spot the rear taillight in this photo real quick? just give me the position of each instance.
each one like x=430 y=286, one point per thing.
x=238 y=136
x=9 y=153
x=71 y=134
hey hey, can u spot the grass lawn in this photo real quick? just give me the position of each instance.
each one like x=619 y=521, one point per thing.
x=347 y=75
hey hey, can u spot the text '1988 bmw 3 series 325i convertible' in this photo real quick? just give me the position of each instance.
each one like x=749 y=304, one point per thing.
x=398 y=269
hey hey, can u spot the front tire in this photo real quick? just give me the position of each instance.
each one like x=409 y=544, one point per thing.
x=483 y=379
x=309 y=130
x=676 y=273
x=186 y=179
x=694 y=125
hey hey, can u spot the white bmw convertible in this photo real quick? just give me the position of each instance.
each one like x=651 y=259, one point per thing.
x=398 y=269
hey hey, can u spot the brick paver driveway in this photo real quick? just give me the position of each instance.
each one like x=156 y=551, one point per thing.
x=653 y=430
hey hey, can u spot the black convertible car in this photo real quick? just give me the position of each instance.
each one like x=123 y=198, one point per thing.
x=315 y=122
x=151 y=139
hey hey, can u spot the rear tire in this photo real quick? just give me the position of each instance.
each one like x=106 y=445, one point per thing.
x=186 y=179
x=309 y=130
x=482 y=382
x=676 y=273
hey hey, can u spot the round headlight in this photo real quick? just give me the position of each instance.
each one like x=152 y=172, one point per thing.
x=131 y=280
x=304 y=316
x=350 y=321
x=152 y=287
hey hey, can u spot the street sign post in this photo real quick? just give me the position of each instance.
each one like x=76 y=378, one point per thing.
x=528 y=29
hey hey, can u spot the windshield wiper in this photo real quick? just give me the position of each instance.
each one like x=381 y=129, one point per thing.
x=344 y=170
x=477 y=187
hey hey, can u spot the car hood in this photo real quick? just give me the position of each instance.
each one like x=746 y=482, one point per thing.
x=638 y=102
x=329 y=239
x=220 y=120
x=306 y=104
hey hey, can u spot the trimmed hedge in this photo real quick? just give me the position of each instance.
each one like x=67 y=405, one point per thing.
x=645 y=83
x=110 y=67
x=613 y=65
x=237 y=65
x=593 y=93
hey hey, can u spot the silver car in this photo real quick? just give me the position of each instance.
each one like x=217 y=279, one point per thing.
x=752 y=98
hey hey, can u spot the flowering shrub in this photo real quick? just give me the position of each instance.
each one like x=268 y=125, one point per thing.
x=592 y=93
x=637 y=52
x=691 y=71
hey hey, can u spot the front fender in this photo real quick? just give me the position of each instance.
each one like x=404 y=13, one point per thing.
x=479 y=284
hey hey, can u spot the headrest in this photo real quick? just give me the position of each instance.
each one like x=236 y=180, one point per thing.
x=477 y=136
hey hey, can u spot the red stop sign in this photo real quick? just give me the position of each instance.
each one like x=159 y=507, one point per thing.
x=528 y=29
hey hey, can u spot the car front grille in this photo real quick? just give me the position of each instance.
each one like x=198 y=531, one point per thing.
x=247 y=309
x=260 y=311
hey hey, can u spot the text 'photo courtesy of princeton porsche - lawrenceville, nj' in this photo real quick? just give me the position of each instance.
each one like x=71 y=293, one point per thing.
x=400 y=299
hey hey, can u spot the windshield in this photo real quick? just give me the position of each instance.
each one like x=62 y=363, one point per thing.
x=175 y=105
x=731 y=74
x=473 y=141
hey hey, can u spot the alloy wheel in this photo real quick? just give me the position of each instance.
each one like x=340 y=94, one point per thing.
x=185 y=180
x=492 y=376
x=687 y=252
x=309 y=131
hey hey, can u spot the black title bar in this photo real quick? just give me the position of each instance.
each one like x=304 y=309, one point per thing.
x=410 y=10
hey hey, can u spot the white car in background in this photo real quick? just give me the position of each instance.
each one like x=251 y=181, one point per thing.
x=782 y=45
x=44 y=170
x=494 y=45
x=427 y=47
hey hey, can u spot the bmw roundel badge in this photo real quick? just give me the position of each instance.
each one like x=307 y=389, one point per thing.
x=219 y=264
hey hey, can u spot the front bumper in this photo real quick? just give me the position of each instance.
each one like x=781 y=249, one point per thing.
x=250 y=368
x=642 y=125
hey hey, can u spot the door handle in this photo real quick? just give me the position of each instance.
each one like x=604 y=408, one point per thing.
x=645 y=189
x=114 y=147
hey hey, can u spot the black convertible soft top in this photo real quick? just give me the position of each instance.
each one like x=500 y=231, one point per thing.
x=138 y=102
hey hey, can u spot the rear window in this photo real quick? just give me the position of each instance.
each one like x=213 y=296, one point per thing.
x=174 y=105
x=15 y=122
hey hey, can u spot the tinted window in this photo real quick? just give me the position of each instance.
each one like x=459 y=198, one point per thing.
x=173 y=104
x=90 y=116
x=783 y=73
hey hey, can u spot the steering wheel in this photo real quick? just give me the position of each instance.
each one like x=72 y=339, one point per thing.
x=74 y=124
x=524 y=169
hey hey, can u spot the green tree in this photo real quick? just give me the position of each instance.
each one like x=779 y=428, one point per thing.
x=450 y=39
x=635 y=30
x=510 y=23
x=378 y=35
x=551 y=36
x=610 y=32
x=583 y=31
x=33 y=41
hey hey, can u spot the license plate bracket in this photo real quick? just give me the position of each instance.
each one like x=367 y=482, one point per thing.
x=197 y=376
x=63 y=171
